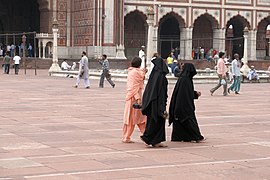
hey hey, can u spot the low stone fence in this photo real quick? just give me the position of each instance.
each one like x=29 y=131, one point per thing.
x=202 y=77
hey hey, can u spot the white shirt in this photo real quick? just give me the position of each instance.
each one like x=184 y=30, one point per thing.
x=142 y=56
x=65 y=65
x=16 y=59
x=235 y=68
x=8 y=48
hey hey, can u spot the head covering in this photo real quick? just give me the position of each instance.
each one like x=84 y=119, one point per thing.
x=182 y=101
x=160 y=65
x=155 y=94
x=188 y=70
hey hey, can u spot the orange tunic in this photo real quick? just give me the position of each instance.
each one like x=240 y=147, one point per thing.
x=135 y=82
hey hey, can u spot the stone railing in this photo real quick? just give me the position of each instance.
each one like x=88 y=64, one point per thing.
x=203 y=76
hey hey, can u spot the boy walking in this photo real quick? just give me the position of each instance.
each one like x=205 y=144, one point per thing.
x=105 y=72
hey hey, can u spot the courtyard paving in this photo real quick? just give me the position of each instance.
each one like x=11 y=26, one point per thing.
x=52 y=131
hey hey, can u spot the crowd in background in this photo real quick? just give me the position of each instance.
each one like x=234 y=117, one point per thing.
x=14 y=50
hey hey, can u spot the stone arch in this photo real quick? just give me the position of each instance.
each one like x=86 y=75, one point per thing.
x=135 y=32
x=181 y=21
x=214 y=22
x=203 y=35
x=235 y=39
x=262 y=41
x=169 y=34
x=49 y=49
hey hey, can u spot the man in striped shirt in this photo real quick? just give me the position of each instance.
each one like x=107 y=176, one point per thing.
x=105 y=72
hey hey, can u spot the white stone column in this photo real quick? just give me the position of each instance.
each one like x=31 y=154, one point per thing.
x=39 y=49
x=219 y=39
x=252 y=45
x=55 y=67
x=155 y=39
x=43 y=49
x=269 y=47
x=150 y=38
x=183 y=35
x=120 y=48
x=216 y=40
x=188 y=43
x=246 y=44
x=245 y=69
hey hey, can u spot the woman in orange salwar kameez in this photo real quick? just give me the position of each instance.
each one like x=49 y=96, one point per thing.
x=132 y=116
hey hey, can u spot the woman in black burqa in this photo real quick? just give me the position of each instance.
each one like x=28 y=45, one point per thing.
x=154 y=103
x=182 y=108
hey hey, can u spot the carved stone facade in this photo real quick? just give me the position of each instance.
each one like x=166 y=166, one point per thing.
x=117 y=26
x=206 y=22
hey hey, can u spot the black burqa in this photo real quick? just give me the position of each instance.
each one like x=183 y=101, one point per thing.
x=182 y=108
x=154 y=103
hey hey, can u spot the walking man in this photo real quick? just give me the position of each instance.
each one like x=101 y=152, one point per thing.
x=83 y=72
x=221 y=71
x=236 y=65
x=6 y=62
x=16 y=60
x=105 y=72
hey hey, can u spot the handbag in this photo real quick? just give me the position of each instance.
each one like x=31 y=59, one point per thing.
x=223 y=82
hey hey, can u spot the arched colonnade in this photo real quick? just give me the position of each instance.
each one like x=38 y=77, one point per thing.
x=205 y=34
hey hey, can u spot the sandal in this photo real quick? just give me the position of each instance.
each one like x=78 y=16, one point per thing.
x=159 y=145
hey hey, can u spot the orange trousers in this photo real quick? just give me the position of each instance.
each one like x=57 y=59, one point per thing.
x=128 y=130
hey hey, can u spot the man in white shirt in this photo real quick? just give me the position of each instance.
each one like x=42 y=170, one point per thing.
x=8 y=48
x=65 y=66
x=236 y=65
x=142 y=56
x=16 y=60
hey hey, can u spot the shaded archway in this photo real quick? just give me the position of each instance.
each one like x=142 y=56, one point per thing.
x=262 y=41
x=169 y=34
x=235 y=35
x=1 y=32
x=17 y=17
x=20 y=16
x=135 y=33
x=203 y=36
x=49 y=50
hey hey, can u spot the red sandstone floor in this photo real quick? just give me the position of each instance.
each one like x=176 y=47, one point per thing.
x=49 y=130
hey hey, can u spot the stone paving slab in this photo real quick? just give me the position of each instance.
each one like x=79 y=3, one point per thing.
x=52 y=131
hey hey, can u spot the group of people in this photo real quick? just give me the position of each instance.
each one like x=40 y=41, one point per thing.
x=201 y=53
x=83 y=72
x=235 y=73
x=12 y=50
x=147 y=109
x=222 y=75
x=7 y=61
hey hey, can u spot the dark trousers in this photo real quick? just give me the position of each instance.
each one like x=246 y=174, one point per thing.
x=6 y=70
x=16 y=67
x=105 y=73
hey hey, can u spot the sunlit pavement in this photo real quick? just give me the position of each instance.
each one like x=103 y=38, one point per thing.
x=50 y=130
